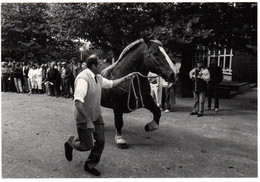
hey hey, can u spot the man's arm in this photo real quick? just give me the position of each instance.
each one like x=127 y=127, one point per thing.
x=113 y=83
x=192 y=73
x=121 y=80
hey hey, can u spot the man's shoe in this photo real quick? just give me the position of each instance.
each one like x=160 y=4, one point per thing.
x=93 y=171
x=167 y=111
x=200 y=114
x=216 y=109
x=208 y=108
x=193 y=113
x=68 y=151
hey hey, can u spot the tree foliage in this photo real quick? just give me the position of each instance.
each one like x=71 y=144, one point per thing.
x=46 y=29
x=112 y=25
x=28 y=33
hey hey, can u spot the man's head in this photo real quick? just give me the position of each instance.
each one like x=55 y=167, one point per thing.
x=84 y=65
x=74 y=61
x=64 y=64
x=79 y=63
x=53 y=64
x=214 y=62
x=93 y=62
x=200 y=63
x=17 y=65
x=4 y=64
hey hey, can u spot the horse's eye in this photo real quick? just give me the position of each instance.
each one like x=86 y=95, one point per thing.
x=155 y=54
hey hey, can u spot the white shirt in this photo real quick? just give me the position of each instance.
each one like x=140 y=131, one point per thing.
x=39 y=72
x=32 y=73
x=82 y=86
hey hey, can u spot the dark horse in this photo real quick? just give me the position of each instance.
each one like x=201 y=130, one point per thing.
x=142 y=57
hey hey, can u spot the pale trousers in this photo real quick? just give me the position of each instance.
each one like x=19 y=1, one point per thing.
x=199 y=98
x=39 y=83
x=155 y=93
x=18 y=84
x=33 y=83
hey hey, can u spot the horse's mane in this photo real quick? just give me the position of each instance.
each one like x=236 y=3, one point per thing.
x=124 y=52
x=157 y=42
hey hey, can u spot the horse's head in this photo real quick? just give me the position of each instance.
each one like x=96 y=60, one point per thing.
x=157 y=61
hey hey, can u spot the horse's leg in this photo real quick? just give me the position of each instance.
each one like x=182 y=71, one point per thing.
x=150 y=104
x=121 y=143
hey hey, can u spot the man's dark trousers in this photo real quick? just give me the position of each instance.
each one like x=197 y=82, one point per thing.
x=84 y=142
x=213 y=92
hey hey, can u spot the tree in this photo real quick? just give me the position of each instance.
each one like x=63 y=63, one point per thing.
x=27 y=33
x=48 y=29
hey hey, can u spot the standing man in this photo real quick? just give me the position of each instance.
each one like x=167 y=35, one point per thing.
x=87 y=113
x=5 y=75
x=78 y=69
x=18 y=75
x=154 y=86
x=200 y=76
x=39 y=75
x=25 y=68
x=73 y=66
x=66 y=75
x=213 y=87
x=53 y=77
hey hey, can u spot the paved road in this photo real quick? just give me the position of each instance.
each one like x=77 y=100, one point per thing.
x=223 y=144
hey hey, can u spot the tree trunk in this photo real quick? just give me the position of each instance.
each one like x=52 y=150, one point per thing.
x=186 y=66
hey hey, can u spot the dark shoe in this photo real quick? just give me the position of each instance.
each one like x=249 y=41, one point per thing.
x=200 y=114
x=193 y=113
x=68 y=151
x=93 y=171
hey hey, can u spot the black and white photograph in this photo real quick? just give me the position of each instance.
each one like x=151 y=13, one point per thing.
x=129 y=90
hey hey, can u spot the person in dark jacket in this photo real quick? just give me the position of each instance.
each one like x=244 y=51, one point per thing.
x=25 y=69
x=11 y=85
x=213 y=86
x=5 y=75
x=52 y=78
x=73 y=66
x=200 y=76
x=18 y=75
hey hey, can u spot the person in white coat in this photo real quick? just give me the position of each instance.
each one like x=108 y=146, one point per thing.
x=32 y=79
x=39 y=78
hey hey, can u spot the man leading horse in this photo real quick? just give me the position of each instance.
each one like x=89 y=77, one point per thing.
x=87 y=113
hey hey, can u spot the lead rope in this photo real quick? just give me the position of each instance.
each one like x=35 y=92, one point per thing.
x=131 y=85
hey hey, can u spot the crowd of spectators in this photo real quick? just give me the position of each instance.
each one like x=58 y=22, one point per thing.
x=52 y=78
x=57 y=79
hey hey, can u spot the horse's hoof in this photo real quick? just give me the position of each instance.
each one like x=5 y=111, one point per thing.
x=121 y=143
x=151 y=126
x=122 y=146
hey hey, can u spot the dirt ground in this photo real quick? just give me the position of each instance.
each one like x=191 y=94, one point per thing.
x=223 y=144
